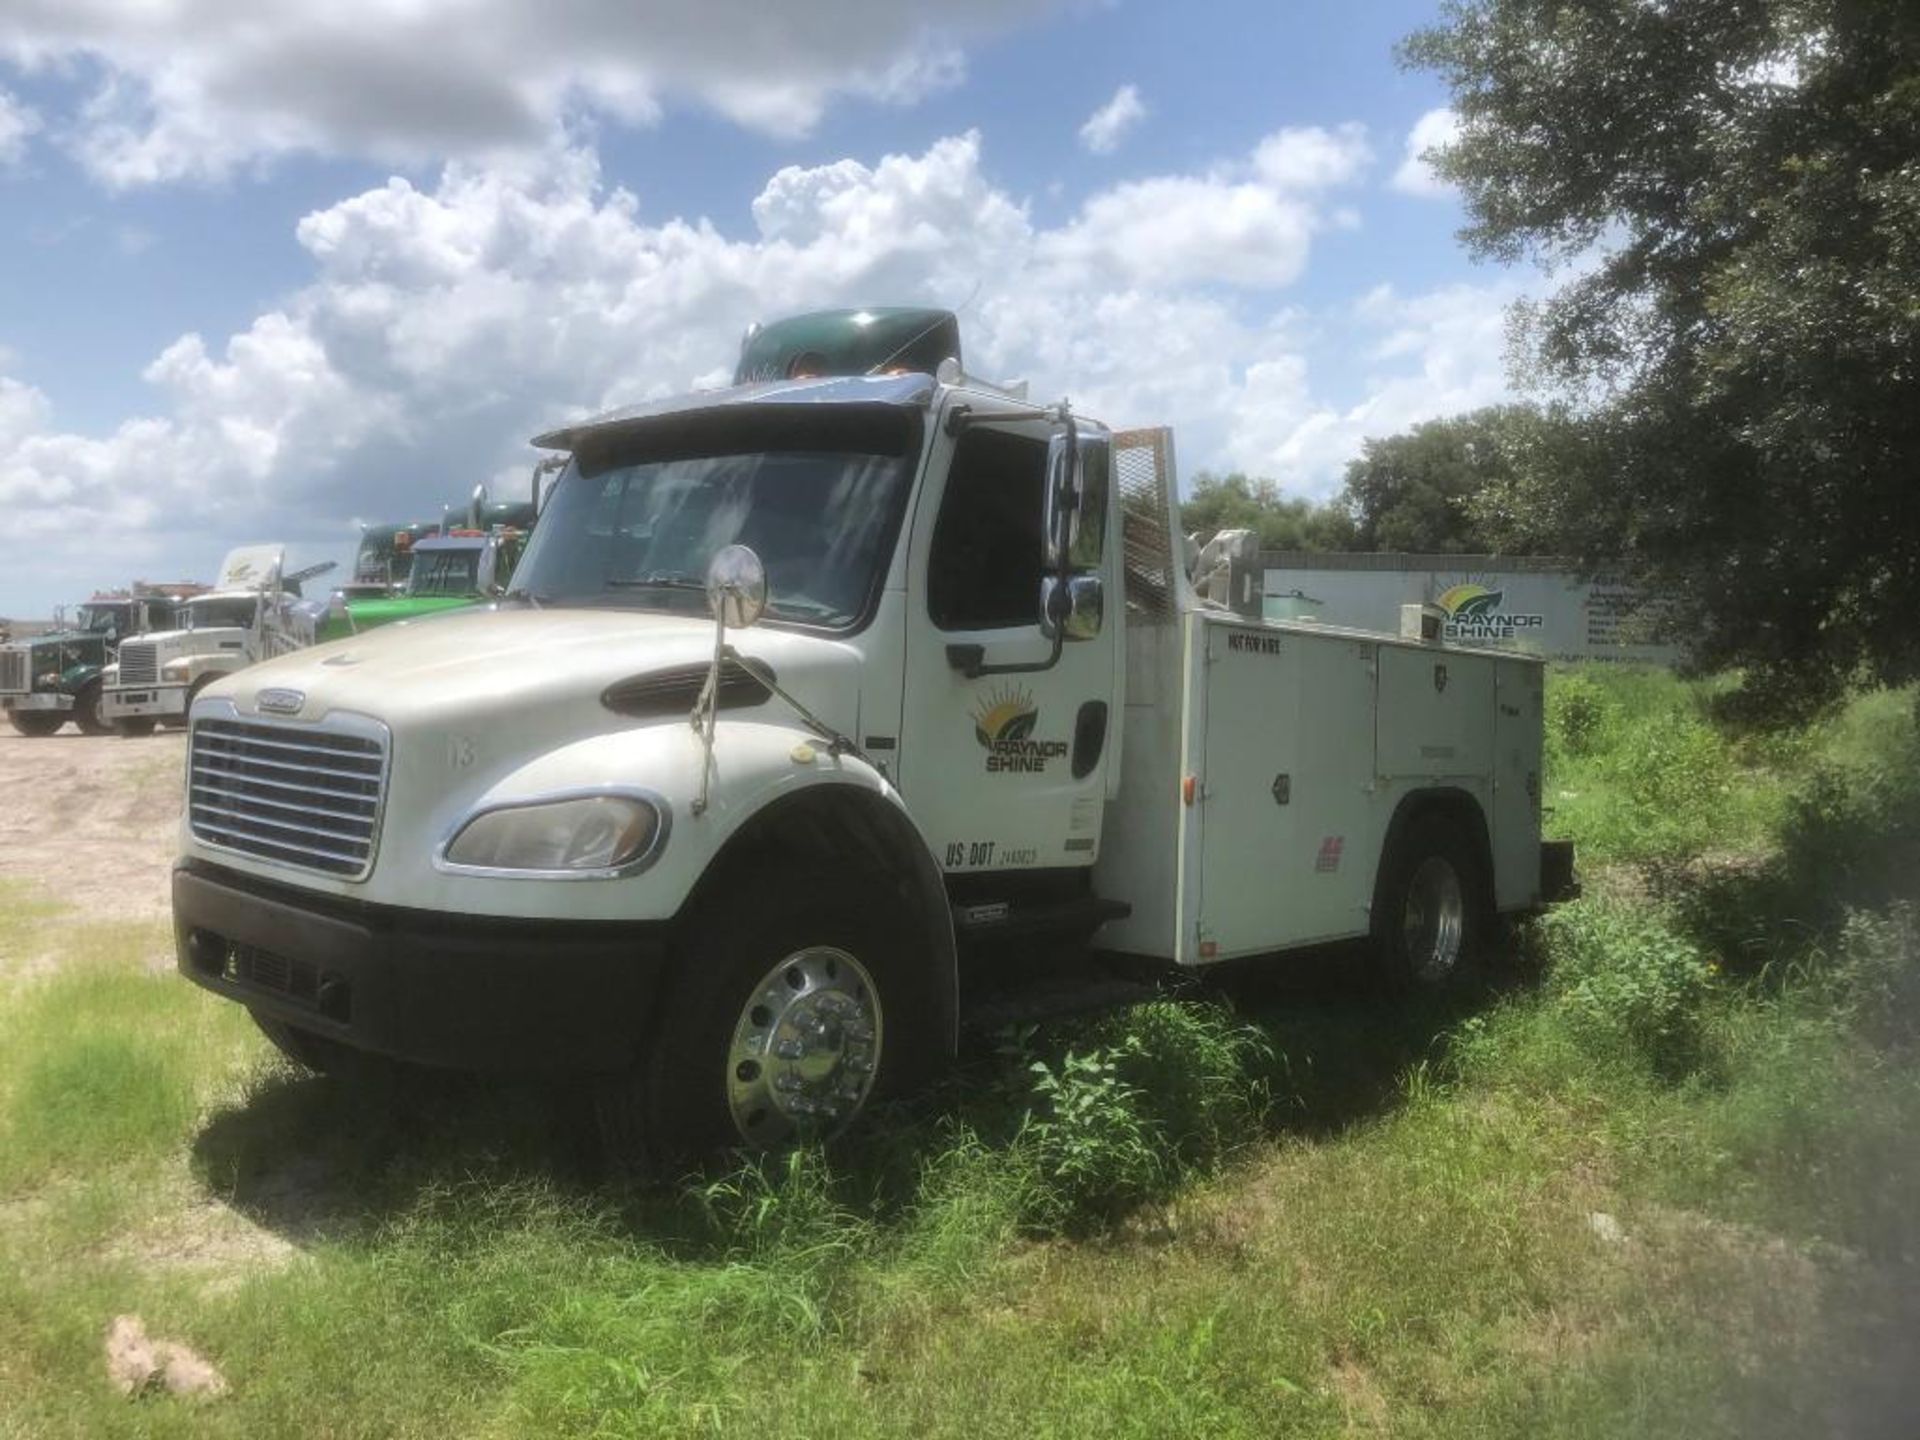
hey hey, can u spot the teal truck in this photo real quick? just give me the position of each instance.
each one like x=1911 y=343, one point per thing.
x=54 y=677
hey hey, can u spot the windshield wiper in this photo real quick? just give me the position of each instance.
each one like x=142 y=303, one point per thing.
x=659 y=580
x=532 y=597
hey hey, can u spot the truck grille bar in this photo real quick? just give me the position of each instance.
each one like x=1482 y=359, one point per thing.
x=13 y=669
x=293 y=795
x=139 y=663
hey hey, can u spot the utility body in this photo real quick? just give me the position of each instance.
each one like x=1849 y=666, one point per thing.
x=966 y=687
x=254 y=611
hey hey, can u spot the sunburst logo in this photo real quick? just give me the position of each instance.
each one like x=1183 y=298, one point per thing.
x=1477 y=611
x=1004 y=713
x=1470 y=601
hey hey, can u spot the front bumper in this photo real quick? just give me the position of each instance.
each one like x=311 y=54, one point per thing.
x=165 y=702
x=448 y=990
x=36 y=700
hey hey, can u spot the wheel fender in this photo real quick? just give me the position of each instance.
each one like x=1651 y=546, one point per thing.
x=861 y=821
x=1459 y=806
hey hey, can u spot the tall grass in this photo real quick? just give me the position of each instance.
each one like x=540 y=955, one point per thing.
x=1293 y=1214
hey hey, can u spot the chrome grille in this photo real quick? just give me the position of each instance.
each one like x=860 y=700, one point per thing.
x=139 y=663
x=292 y=794
x=13 y=668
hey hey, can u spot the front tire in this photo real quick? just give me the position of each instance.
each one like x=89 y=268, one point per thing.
x=36 y=724
x=791 y=1016
x=134 y=727
x=1429 y=920
x=86 y=711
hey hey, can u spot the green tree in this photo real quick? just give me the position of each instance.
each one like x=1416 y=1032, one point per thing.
x=1234 y=502
x=1418 y=491
x=1738 y=184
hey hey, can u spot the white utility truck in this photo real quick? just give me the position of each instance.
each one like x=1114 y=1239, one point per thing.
x=961 y=688
x=252 y=613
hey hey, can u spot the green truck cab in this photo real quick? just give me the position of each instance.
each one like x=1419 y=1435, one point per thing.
x=385 y=557
x=51 y=678
x=446 y=572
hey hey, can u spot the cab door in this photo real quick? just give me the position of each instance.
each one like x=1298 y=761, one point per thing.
x=1007 y=770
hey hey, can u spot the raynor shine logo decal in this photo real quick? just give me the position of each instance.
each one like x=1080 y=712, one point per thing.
x=1478 y=612
x=1004 y=719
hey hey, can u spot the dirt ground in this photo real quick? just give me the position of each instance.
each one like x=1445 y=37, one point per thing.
x=89 y=820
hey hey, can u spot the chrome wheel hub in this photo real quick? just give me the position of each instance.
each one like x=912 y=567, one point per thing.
x=806 y=1048
x=1435 y=923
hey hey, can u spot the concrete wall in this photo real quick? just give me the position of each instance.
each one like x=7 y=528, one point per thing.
x=1542 y=606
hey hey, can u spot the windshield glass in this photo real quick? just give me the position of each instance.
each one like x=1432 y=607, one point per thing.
x=384 y=555
x=445 y=572
x=228 y=610
x=101 y=619
x=817 y=495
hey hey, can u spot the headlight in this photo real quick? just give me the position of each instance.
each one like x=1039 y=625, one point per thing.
x=592 y=832
x=176 y=669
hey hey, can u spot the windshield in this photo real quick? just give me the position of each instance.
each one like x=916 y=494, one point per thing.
x=817 y=495
x=101 y=619
x=384 y=555
x=234 y=610
x=445 y=572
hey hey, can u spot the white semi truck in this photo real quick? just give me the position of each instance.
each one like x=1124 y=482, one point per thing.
x=963 y=689
x=253 y=612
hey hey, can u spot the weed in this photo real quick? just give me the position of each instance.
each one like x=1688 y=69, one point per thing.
x=1623 y=976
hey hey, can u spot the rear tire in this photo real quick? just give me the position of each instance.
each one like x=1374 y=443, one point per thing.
x=36 y=723
x=86 y=711
x=134 y=726
x=790 y=1017
x=1430 y=920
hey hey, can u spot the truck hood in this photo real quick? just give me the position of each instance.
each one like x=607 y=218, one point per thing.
x=206 y=640
x=524 y=666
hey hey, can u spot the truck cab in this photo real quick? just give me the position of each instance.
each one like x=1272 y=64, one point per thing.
x=59 y=675
x=807 y=693
x=460 y=567
x=384 y=557
x=254 y=612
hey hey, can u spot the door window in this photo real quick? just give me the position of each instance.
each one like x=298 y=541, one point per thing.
x=987 y=559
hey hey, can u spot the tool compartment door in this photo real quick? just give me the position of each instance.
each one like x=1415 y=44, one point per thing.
x=1517 y=727
x=1285 y=818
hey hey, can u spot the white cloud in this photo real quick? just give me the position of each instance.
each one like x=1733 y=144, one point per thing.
x=1110 y=124
x=1310 y=158
x=187 y=91
x=1434 y=130
x=18 y=123
x=1428 y=355
x=442 y=325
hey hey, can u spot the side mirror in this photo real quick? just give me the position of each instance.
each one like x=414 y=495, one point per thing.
x=737 y=587
x=1075 y=609
x=1061 y=495
x=1075 y=523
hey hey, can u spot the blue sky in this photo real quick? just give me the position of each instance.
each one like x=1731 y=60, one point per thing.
x=340 y=273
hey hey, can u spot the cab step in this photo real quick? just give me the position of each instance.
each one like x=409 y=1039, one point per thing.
x=1006 y=919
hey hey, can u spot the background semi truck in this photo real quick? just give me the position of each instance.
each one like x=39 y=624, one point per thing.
x=59 y=674
x=450 y=570
x=252 y=612
x=964 y=689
